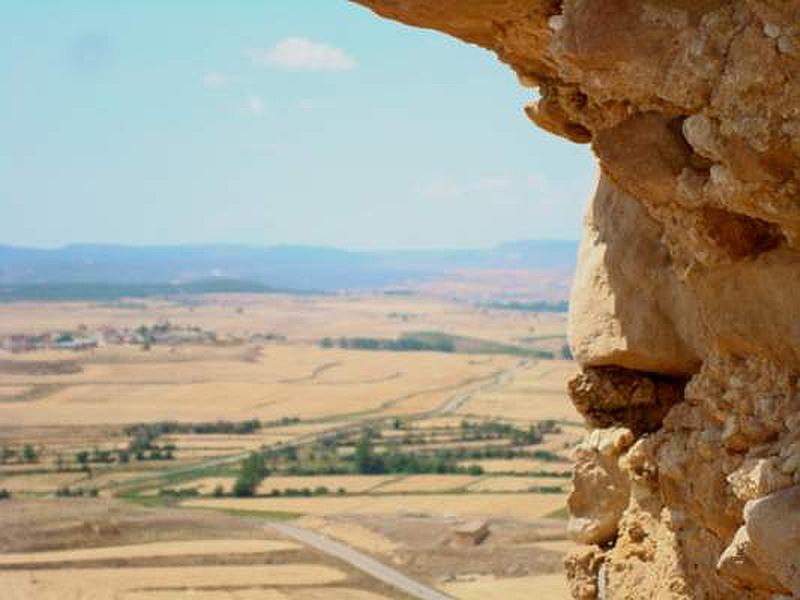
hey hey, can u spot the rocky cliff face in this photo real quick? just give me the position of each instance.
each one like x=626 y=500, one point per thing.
x=685 y=313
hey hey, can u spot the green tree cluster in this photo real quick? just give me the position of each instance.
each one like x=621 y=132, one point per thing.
x=252 y=473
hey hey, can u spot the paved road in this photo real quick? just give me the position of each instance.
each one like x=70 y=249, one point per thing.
x=500 y=380
x=360 y=561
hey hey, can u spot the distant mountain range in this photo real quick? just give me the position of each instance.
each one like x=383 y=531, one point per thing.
x=279 y=267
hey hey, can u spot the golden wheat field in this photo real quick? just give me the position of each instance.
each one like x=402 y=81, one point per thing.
x=283 y=381
x=352 y=534
x=107 y=583
x=426 y=483
x=550 y=587
x=39 y=482
x=158 y=549
x=519 y=506
x=342 y=593
x=536 y=392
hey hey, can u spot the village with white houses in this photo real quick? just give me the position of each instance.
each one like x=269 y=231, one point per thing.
x=83 y=338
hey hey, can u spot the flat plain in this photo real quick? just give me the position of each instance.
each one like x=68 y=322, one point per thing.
x=121 y=460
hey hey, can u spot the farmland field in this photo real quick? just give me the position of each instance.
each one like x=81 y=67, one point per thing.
x=130 y=454
x=520 y=506
x=266 y=388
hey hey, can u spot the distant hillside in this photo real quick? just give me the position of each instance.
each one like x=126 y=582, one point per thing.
x=283 y=267
x=102 y=291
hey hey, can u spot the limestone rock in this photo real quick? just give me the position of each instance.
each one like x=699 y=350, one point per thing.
x=736 y=564
x=689 y=270
x=772 y=526
x=583 y=566
x=608 y=396
x=600 y=488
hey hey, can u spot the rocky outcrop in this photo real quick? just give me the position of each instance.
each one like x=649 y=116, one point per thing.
x=597 y=467
x=685 y=312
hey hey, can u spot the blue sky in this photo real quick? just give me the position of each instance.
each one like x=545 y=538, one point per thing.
x=266 y=122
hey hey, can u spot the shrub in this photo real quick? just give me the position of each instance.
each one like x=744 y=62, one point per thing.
x=474 y=470
x=188 y=492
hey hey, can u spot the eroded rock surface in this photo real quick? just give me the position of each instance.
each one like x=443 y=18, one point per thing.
x=685 y=312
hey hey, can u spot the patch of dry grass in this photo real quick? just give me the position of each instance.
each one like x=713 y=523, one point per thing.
x=109 y=583
x=551 y=587
x=427 y=483
x=156 y=549
x=351 y=534
x=42 y=482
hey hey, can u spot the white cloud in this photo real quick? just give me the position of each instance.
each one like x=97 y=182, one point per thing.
x=442 y=189
x=301 y=54
x=492 y=183
x=254 y=105
x=215 y=80
x=446 y=188
x=536 y=180
x=307 y=104
x=266 y=148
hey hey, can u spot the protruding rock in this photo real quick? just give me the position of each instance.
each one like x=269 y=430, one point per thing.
x=583 y=566
x=772 y=524
x=765 y=552
x=608 y=396
x=601 y=489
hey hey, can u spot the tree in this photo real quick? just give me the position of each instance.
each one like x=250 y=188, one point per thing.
x=367 y=462
x=28 y=453
x=82 y=456
x=253 y=471
x=64 y=338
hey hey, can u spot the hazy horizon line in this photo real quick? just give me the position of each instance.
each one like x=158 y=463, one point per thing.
x=292 y=245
